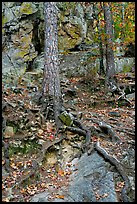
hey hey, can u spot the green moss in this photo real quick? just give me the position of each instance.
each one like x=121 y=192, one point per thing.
x=66 y=6
x=24 y=147
x=21 y=54
x=26 y=8
x=66 y=118
x=68 y=42
x=126 y=68
x=4 y=20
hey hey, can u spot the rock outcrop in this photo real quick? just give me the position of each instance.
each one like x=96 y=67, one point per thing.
x=23 y=32
x=89 y=182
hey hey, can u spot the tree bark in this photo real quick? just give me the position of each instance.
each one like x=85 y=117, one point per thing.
x=51 y=81
x=110 y=66
x=101 y=70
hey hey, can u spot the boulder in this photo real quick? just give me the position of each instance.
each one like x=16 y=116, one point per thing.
x=92 y=178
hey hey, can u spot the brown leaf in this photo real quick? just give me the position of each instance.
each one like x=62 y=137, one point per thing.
x=5 y=200
x=43 y=185
x=61 y=172
x=60 y=196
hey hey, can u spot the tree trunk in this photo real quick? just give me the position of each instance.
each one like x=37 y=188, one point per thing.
x=51 y=81
x=110 y=66
x=101 y=70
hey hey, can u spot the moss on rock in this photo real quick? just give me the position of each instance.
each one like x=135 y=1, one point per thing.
x=27 y=8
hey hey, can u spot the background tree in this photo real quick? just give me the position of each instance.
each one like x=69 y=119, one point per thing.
x=97 y=12
x=110 y=66
x=51 y=81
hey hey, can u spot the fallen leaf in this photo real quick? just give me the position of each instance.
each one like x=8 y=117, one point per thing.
x=94 y=139
x=3 y=162
x=60 y=196
x=12 y=165
x=43 y=185
x=23 y=190
x=40 y=132
x=60 y=172
x=104 y=195
x=31 y=192
x=3 y=187
x=51 y=137
x=5 y=200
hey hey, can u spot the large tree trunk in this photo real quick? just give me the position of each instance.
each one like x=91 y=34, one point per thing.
x=51 y=82
x=110 y=66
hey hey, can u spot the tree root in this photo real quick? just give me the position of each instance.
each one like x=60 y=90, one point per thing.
x=107 y=129
x=82 y=130
x=118 y=166
x=76 y=130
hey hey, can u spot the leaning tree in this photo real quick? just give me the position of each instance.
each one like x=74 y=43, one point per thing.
x=51 y=81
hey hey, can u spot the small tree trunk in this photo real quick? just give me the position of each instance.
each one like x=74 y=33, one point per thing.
x=110 y=66
x=101 y=70
x=51 y=81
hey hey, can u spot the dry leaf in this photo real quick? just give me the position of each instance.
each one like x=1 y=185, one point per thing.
x=43 y=185
x=51 y=137
x=12 y=165
x=104 y=195
x=3 y=187
x=23 y=190
x=40 y=132
x=60 y=172
x=3 y=162
x=5 y=200
x=60 y=196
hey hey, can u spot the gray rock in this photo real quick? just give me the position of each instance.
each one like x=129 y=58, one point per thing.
x=91 y=178
x=114 y=113
x=41 y=197
x=131 y=96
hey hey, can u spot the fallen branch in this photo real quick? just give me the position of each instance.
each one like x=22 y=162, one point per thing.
x=118 y=166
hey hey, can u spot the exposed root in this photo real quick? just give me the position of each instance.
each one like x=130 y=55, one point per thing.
x=118 y=166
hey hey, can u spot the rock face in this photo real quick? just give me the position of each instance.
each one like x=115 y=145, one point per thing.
x=23 y=32
x=17 y=45
x=89 y=182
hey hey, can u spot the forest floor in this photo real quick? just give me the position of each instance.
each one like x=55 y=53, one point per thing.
x=25 y=130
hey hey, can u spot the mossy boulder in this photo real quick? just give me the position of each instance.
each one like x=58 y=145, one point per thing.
x=66 y=118
x=27 y=8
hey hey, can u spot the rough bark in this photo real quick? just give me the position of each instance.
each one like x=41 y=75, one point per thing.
x=110 y=66
x=51 y=82
x=101 y=70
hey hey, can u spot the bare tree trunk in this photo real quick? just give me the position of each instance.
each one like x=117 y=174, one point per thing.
x=101 y=70
x=110 y=66
x=51 y=81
